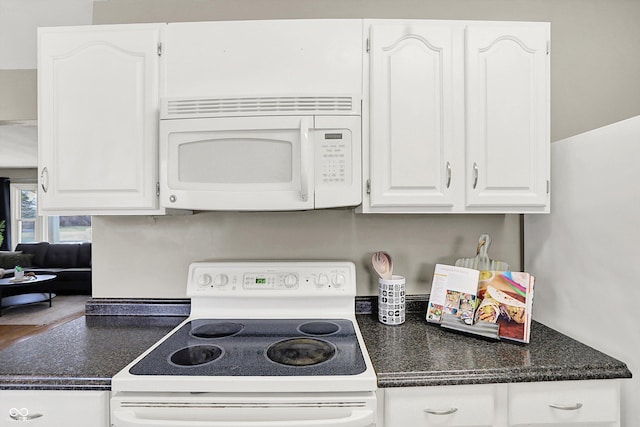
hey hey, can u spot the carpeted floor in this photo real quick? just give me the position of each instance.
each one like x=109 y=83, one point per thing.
x=41 y=314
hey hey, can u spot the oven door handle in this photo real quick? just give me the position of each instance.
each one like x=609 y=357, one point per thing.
x=355 y=419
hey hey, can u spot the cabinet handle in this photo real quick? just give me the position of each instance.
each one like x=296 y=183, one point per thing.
x=44 y=179
x=566 y=407
x=441 y=411
x=475 y=175
x=448 y=174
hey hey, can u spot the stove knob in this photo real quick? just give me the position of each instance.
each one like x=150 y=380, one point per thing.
x=338 y=280
x=204 y=280
x=323 y=280
x=220 y=280
x=290 y=280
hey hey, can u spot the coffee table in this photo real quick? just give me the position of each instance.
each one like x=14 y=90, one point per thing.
x=29 y=291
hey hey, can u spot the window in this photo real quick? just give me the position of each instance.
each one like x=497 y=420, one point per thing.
x=27 y=226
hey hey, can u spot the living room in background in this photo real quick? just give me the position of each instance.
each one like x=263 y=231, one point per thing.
x=28 y=226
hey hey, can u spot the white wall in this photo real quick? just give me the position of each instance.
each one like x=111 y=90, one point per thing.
x=586 y=252
x=149 y=256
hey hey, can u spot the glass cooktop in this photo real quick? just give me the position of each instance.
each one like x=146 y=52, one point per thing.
x=257 y=347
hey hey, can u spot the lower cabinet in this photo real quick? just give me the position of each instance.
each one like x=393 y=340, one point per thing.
x=53 y=408
x=594 y=403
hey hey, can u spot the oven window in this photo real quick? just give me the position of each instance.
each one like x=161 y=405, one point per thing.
x=244 y=159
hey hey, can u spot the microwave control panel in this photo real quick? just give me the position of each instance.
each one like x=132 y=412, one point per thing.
x=333 y=157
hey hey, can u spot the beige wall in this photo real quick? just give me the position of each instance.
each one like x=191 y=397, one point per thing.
x=18 y=95
x=149 y=256
x=594 y=82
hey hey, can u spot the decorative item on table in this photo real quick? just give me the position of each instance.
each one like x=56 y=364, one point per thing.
x=391 y=290
x=18 y=273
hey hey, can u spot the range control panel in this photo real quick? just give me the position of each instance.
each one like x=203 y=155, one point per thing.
x=292 y=278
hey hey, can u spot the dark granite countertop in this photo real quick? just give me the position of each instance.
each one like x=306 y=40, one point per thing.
x=85 y=353
x=417 y=353
x=82 y=354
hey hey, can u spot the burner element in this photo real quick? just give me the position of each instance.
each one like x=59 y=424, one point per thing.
x=196 y=355
x=300 y=352
x=216 y=330
x=318 y=328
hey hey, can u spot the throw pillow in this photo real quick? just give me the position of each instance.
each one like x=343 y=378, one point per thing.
x=12 y=259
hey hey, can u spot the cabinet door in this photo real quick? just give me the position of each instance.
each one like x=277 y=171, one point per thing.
x=507 y=83
x=54 y=408
x=464 y=405
x=415 y=78
x=98 y=98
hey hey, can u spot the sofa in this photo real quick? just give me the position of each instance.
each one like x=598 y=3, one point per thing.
x=70 y=262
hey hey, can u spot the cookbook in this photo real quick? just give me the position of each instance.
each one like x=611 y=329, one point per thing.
x=495 y=304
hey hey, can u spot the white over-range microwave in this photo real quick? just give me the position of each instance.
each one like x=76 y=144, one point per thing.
x=263 y=153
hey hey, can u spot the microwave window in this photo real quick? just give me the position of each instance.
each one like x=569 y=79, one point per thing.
x=236 y=160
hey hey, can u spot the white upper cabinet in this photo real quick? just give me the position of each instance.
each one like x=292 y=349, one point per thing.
x=98 y=102
x=458 y=117
x=415 y=77
x=507 y=86
x=264 y=58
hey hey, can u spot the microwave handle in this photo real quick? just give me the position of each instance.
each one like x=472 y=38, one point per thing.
x=304 y=156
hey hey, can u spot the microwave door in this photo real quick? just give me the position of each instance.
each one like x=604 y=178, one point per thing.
x=239 y=163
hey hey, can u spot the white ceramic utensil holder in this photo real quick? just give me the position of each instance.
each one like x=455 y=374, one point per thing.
x=391 y=300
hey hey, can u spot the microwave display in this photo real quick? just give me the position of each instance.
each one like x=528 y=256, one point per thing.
x=333 y=136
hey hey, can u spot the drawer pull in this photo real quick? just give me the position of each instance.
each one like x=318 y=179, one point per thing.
x=566 y=407
x=441 y=411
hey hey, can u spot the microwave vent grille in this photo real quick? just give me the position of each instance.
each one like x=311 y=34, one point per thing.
x=211 y=107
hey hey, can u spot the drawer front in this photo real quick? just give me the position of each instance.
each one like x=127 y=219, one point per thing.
x=564 y=403
x=54 y=408
x=441 y=406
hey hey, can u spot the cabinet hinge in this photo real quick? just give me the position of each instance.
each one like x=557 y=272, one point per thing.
x=159 y=48
x=548 y=47
x=368 y=186
x=548 y=186
x=368 y=45
x=157 y=189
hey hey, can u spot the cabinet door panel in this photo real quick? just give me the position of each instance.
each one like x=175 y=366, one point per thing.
x=507 y=147
x=98 y=104
x=412 y=113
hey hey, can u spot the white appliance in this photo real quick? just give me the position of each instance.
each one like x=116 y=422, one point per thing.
x=265 y=344
x=585 y=252
x=261 y=153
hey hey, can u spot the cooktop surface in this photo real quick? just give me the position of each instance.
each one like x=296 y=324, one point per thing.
x=256 y=347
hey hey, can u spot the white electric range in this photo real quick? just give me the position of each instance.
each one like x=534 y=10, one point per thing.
x=265 y=344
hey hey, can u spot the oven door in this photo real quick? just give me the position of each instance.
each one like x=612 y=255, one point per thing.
x=237 y=163
x=251 y=410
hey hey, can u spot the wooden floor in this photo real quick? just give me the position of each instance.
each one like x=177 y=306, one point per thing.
x=11 y=334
